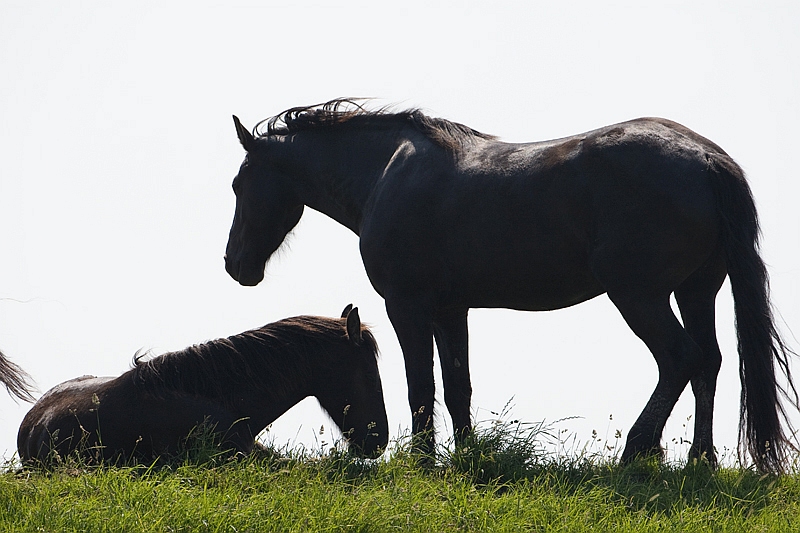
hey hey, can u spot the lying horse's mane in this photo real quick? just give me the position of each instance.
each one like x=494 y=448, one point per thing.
x=450 y=135
x=277 y=352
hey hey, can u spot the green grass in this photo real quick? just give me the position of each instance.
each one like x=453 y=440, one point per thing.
x=502 y=480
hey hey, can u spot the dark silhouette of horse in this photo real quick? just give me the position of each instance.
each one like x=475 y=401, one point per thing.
x=17 y=381
x=234 y=387
x=450 y=219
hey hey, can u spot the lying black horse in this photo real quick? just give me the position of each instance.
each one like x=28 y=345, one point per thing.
x=234 y=387
x=450 y=219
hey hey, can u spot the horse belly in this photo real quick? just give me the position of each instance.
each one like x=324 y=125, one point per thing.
x=524 y=281
x=526 y=251
x=154 y=424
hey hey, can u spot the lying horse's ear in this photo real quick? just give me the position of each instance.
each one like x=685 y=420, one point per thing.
x=354 y=326
x=245 y=137
x=347 y=310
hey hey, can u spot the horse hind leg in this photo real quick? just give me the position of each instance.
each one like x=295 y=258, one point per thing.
x=676 y=354
x=695 y=298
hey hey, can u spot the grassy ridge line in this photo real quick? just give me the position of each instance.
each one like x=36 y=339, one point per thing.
x=502 y=481
x=328 y=495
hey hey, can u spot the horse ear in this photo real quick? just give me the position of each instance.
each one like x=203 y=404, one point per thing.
x=245 y=137
x=354 y=326
x=347 y=310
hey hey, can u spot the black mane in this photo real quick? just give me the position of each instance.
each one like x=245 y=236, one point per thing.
x=450 y=135
x=284 y=351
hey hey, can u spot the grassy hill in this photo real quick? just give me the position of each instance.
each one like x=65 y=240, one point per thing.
x=503 y=481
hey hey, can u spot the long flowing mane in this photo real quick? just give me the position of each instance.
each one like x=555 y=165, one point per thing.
x=350 y=111
x=271 y=356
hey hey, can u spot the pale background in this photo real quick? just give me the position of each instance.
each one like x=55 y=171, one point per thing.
x=117 y=151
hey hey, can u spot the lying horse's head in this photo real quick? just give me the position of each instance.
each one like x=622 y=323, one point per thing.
x=348 y=387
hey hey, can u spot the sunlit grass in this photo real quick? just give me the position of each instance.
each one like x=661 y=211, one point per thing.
x=502 y=479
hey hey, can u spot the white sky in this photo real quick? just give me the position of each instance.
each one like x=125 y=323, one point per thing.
x=117 y=151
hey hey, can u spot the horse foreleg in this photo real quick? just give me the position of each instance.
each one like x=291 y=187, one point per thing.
x=676 y=355
x=413 y=325
x=450 y=332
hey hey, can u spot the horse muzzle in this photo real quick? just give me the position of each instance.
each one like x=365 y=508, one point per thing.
x=248 y=277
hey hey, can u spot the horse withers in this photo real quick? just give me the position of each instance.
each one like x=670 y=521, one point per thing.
x=233 y=387
x=451 y=219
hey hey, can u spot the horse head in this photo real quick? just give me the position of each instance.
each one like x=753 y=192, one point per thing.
x=266 y=211
x=350 y=391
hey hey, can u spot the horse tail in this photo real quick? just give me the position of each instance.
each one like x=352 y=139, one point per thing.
x=762 y=415
x=17 y=381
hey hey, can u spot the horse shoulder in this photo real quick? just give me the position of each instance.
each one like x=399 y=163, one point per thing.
x=404 y=204
x=411 y=177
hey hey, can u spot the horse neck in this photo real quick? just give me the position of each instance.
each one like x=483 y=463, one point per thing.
x=264 y=408
x=277 y=393
x=275 y=382
x=339 y=169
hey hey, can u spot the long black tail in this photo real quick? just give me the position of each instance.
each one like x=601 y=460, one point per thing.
x=763 y=420
x=17 y=381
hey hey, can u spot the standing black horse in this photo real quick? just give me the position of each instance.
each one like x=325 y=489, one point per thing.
x=235 y=387
x=450 y=219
